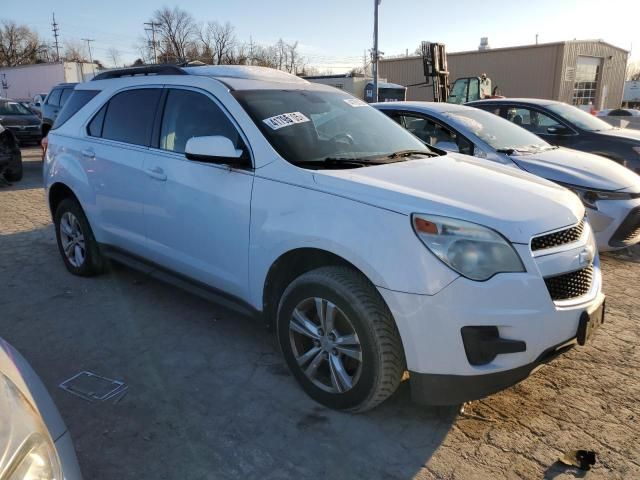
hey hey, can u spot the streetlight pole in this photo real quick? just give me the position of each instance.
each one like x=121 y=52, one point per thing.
x=375 y=49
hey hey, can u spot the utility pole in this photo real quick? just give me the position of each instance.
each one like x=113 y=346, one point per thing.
x=93 y=67
x=250 y=50
x=375 y=49
x=152 y=28
x=54 y=27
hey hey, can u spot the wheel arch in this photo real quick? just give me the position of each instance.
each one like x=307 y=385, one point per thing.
x=58 y=192
x=289 y=266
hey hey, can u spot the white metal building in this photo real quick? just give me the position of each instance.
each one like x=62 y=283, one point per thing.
x=26 y=81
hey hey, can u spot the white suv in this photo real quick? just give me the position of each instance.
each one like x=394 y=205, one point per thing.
x=369 y=253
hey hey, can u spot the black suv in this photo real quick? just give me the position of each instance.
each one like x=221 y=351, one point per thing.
x=53 y=104
x=567 y=126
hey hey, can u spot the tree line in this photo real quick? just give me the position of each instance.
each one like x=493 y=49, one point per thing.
x=176 y=37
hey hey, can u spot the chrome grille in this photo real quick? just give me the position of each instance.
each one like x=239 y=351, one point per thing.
x=570 y=285
x=555 y=239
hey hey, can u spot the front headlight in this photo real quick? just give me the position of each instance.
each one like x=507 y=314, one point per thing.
x=472 y=250
x=590 y=197
x=26 y=449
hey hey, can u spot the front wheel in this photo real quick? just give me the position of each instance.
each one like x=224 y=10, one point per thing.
x=339 y=339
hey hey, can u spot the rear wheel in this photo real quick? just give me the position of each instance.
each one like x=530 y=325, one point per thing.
x=77 y=246
x=339 y=339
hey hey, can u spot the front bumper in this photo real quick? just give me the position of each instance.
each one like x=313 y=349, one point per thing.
x=607 y=222
x=519 y=305
x=27 y=134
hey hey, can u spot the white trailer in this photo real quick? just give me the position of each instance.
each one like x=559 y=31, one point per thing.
x=26 y=81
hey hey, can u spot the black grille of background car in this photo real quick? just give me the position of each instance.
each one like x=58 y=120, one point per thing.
x=555 y=239
x=629 y=230
x=570 y=285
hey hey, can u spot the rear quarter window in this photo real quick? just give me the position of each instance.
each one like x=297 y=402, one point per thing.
x=77 y=100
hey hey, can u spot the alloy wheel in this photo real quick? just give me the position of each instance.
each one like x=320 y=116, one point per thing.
x=72 y=239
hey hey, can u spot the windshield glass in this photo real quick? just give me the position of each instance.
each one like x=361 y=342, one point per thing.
x=310 y=126
x=499 y=133
x=578 y=117
x=13 y=108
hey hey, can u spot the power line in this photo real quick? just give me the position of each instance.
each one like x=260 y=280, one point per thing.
x=152 y=27
x=54 y=26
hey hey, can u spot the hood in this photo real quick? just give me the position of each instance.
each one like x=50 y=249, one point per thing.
x=578 y=168
x=515 y=203
x=11 y=120
x=627 y=133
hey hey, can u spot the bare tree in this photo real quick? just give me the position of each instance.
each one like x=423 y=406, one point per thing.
x=18 y=44
x=218 y=42
x=113 y=55
x=633 y=71
x=177 y=33
x=74 y=51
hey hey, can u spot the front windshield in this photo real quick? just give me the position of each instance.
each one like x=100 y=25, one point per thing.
x=499 y=133
x=13 y=108
x=578 y=117
x=313 y=126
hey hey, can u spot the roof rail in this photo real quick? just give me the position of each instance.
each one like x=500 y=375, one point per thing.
x=144 y=70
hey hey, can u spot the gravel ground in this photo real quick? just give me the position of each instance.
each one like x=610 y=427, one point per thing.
x=210 y=397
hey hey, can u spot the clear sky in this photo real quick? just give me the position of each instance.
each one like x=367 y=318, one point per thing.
x=334 y=34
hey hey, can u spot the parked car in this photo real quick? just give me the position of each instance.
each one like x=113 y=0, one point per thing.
x=567 y=126
x=34 y=441
x=53 y=104
x=37 y=102
x=22 y=122
x=610 y=192
x=367 y=251
x=619 y=112
x=10 y=156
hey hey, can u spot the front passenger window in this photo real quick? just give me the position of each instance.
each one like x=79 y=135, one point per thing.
x=190 y=114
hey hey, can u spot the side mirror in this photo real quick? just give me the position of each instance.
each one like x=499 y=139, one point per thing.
x=448 y=146
x=214 y=149
x=558 y=130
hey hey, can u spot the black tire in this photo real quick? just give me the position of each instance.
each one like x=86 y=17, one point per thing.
x=15 y=172
x=382 y=355
x=93 y=263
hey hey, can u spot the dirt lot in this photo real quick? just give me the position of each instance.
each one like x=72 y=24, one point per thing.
x=210 y=396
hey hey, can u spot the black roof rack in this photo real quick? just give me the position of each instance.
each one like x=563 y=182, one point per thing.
x=144 y=70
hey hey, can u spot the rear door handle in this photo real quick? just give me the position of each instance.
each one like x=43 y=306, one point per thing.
x=88 y=153
x=157 y=173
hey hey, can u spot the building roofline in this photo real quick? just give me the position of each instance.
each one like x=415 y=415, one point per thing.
x=515 y=47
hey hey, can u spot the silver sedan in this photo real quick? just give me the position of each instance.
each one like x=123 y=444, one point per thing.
x=610 y=192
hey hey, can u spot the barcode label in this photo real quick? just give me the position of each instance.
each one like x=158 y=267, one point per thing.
x=285 y=120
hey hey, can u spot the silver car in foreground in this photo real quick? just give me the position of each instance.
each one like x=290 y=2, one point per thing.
x=34 y=441
x=610 y=192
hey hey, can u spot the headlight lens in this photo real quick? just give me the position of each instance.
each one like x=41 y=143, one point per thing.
x=472 y=250
x=26 y=449
x=590 y=197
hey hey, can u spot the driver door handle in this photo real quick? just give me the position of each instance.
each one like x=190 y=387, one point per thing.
x=88 y=153
x=157 y=173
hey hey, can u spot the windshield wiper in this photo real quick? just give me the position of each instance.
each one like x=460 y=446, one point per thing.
x=342 y=162
x=409 y=153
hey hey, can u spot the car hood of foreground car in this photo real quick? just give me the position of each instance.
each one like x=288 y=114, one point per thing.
x=579 y=168
x=515 y=203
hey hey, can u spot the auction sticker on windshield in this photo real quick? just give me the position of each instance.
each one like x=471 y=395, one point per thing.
x=285 y=120
x=355 y=102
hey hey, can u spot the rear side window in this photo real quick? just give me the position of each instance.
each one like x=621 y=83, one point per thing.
x=129 y=116
x=54 y=97
x=77 y=100
x=66 y=93
x=95 y=126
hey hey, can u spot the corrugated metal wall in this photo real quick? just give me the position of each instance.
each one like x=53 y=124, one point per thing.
x=612 y=73
x=536 y=71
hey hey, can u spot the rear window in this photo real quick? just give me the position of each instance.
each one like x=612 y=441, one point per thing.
x=129 y=116
x=54 y=97
x=77 y=100
x=66 y=93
